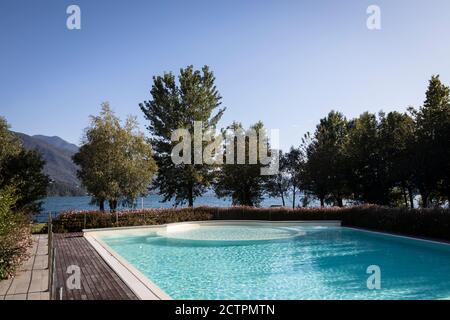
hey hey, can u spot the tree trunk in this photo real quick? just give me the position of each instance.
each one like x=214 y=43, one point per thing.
x=424 y=196
x=293 y=199
x=101 y=204
x=411 y=197
x=190 y=196
x=405 y=198
x=322 y=202
x=280 y=189
x=340 y=202
x=113 y=205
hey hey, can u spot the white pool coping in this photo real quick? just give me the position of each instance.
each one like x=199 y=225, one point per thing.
x=143 y=287
x=400 y=236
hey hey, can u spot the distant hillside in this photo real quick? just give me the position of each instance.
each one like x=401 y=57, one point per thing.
x=58 y=143
x=59 y=165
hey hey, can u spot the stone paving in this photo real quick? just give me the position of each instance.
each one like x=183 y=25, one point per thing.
x=31 y=281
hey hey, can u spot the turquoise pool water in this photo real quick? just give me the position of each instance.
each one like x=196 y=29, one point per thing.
x=255 y=262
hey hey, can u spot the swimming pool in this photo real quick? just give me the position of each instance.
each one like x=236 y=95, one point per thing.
x=255 y=260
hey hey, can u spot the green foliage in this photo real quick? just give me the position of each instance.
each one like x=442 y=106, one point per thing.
x=378 y=152
x=39 y=228
x=278 y=184
x=324 y=171
x=243 y=183
x=176 y=106
x=365 y=160
x=116 y=162
x=431 y=223
x=23 y=169
x=286 y=182
x=9 y=143
x=383 y=159
x=431 y=148
x=396 y=135
x=14 y=234
x=77 y=221
x=368 y=172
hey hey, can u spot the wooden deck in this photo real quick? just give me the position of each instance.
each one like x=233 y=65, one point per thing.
x=98 y=280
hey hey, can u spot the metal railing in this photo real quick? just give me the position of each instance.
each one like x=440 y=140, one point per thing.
x=51 y=259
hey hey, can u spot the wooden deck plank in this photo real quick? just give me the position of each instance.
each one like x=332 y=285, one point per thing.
x=89 y=290
x=98 y=280
x=91 y=274
x=63 y=259
x=111 y=279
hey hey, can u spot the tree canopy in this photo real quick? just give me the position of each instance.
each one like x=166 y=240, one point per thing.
x=22 y=170
x=116 y=163
x=383 y=159
x=177 y=105
x=240 y=178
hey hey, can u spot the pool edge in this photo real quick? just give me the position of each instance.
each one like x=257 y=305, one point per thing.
x=141 y=285
x=401 y=236
x=331 y=223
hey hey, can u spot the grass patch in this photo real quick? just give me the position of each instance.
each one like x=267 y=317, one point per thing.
x=39 y=228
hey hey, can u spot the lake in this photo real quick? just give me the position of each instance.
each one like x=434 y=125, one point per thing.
x=56 y=205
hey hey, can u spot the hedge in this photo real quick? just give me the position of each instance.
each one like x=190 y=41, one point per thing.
x=427 y=223
x=15 y=235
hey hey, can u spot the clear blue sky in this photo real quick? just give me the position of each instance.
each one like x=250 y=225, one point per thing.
x=286 y=63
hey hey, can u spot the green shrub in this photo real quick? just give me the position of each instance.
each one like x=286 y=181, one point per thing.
x=429 y=223
x=39 y=228
x=76 y=221
x=15 y=235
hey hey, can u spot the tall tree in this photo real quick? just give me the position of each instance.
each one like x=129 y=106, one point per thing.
x=286 y=183
x=278 y=184
x=396 y=134
x=432 y=148
x=242 y=182
x=367 y=166
x=293 y=162
x=324 y=174
x=115 y=161
x=177 y=106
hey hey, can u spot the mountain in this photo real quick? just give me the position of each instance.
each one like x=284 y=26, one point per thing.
x=58 y=143
x=57 y=154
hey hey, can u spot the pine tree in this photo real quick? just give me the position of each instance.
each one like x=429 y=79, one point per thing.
x=177 y=105
x=324 y=170
x=432 y=147
x=242 y=182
